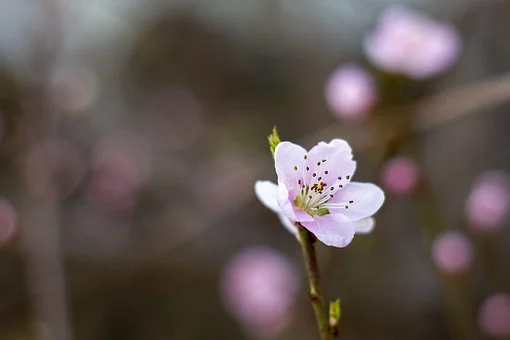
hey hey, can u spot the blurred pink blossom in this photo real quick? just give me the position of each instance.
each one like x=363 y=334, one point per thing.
x=494 y=315
x=120 y=165
x=410 y=43
x=258 y=287
x=351 y=92
x=8 y=221
x=74 y=88
x=400 y=176
x=489 y=201
x=452 y=252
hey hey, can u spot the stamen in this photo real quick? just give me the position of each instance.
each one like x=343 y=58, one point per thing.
x=295 y=168
x=318 y=163
x=315 y=194
x=305 y=157
x=348 y=177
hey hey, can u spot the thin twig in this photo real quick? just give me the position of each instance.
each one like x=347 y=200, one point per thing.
x=305 y=239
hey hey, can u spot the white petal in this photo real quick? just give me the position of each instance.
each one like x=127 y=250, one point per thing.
x=267 y=193
x=288 y=224
x=287 y=207
x=367 y=197
x=289 y=163
x=334 y=230
x=337 y=147
x=364 y=226
x=329 y=161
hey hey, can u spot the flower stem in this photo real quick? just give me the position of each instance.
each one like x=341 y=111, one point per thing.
x=306 y=241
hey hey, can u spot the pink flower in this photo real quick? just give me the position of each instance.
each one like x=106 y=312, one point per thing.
x=315 y=189
x=258 y=287
x=409 y=43
x=452 y=252
x=494 y=316
x=400 y=176
x=351 y=92
x=489 y=201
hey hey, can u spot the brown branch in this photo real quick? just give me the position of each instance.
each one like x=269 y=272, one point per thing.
x=316 y=299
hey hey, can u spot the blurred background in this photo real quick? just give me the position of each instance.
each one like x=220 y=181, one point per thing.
x=132 y=132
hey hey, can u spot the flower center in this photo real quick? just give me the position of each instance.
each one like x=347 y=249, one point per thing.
x=314 y=195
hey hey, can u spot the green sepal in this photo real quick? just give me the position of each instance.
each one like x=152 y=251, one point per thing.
x=274 y=140
x=334 y=315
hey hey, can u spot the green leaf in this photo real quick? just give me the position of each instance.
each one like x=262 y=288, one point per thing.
x=274 y=140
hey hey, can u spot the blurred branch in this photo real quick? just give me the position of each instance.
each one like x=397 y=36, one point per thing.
x=460 y=311
x=40 y=214
x=459 y=317
x=456 y=103
x=431 y=112
x=44 y=269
